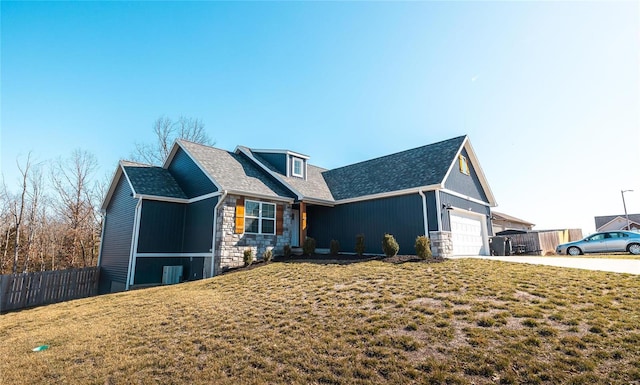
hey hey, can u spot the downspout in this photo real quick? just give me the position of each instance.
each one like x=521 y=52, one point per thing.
x=134 y=245
x=104 y=224
x=213 y=241
x=439 y=210
x=424 y=213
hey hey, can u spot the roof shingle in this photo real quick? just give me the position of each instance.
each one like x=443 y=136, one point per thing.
x=422 y=166
x=151 y=180
x=234 y=172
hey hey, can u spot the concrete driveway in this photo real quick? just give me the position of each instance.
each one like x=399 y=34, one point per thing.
x=631 y=266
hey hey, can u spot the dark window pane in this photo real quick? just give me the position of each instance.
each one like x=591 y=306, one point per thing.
x=268 y=226
x=250 y=225
x=252 y=209
x=268 y=210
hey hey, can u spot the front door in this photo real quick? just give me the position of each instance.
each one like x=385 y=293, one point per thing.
x=295 y=228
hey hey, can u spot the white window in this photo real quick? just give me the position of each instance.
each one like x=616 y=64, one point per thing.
x=260 y=217
x=297 y=167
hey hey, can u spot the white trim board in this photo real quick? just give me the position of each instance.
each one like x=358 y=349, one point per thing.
x=172 y=255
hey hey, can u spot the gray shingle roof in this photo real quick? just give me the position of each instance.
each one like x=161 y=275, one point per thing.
x=422 y=166
x=151 y=180
x=234 y=172
x=603 y=220
x=313 y=187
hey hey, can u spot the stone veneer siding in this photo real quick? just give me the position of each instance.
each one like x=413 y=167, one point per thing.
x=441 y=244
x=230 y=246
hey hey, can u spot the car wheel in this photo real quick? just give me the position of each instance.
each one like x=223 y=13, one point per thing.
x=574 y=251
x=634 y=248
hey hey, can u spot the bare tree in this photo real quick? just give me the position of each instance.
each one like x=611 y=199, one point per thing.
x=17 y=207
x=5 y=226
x=166 y=131
x=70 y=179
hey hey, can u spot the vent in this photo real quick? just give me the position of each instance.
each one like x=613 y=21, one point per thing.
x=171 y=274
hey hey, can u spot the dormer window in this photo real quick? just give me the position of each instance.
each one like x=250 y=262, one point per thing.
x=297 y=167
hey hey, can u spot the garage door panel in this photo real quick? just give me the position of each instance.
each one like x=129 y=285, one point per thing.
x=467 y=234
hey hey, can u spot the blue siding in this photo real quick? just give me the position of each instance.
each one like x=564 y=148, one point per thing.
x=198 y=226
x=149 y=270
x=189 y=176
x=161 y=227
x=400 y=216
x=464 y=204
x=468 y=185
x=116 y=243
x=279 y=161
x=432 y=212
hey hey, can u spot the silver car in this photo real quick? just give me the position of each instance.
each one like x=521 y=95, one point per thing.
x=605 y=242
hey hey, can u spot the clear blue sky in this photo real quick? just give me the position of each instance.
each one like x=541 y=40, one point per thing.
x=549 y=92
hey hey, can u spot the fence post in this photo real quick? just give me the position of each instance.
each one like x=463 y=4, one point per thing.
x=5 y=281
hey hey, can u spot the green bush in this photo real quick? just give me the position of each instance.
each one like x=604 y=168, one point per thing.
x=309 y=246
x=360 y=244
x=267 y=255
x=334 y=247
x=286 y=251
x=389 y=245
x=248 y=257
x=423 y=247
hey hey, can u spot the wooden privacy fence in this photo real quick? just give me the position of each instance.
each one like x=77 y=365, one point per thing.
x=543 y=242
x=18 y=291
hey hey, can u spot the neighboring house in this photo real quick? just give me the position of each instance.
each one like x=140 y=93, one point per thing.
x=617 y=222
x=205 y=206
x=501 y=222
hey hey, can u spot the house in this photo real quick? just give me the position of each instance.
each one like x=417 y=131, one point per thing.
x=502 y=222
x=617 y=222
x=205 y=206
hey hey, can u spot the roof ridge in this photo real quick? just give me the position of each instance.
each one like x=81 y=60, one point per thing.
x=134 y=163
x=397 y=153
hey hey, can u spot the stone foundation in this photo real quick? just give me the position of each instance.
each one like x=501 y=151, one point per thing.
x=230 y=246
x=441 y=244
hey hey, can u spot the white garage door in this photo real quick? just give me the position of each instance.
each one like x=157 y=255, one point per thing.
x=467 y=234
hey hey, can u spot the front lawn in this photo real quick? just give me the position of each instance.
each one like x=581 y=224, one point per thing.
x=458 y=322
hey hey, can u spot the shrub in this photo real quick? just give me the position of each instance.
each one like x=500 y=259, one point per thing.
x=248 y=257
x=267 y=255
x=334 y=247
x=423 y=247
x=309 y=246
x=389 y=245
x=287 y=251
x=360 y=244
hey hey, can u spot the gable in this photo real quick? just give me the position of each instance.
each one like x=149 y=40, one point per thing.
x=193 y=181
x=603 y=220
x=465 y=183
x=618 y=223
x=278 y=162
x=234 y=172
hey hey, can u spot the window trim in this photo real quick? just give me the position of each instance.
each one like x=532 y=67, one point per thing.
x=293 y=167
x=463 y=164
x=260 y=218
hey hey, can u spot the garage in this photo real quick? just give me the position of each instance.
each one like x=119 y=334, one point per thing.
x=468 y=234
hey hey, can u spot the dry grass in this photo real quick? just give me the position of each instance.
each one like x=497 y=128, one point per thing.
x=457 y=322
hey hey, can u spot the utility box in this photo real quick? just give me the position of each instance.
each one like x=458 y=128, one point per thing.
x=171 y=274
